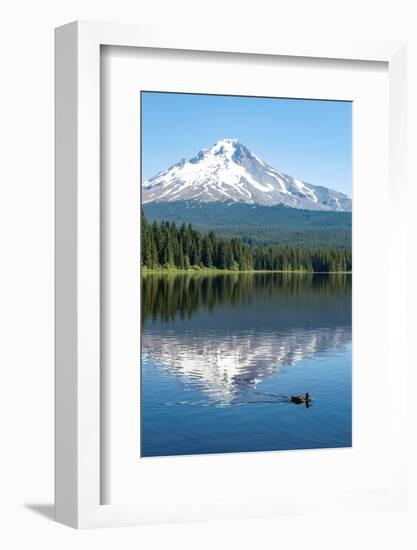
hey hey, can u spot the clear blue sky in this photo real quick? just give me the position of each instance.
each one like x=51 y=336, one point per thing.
x=308 y=139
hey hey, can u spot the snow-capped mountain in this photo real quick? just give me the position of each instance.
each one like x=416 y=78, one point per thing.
x=229 y=172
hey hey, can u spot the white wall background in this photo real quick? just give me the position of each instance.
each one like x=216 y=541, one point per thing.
x=26 y=268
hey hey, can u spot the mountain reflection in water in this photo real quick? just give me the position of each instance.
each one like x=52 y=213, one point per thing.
x=221 y=354
x=224 y=334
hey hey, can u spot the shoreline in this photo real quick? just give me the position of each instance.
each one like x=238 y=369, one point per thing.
x=209 y=271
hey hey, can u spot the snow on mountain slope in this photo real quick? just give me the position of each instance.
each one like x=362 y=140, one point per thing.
x=229 y=172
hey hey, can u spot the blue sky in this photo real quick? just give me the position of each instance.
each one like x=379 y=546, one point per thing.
x=308 y=139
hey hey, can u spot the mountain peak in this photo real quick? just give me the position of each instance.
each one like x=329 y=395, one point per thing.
x=229 y=172
x=226 y=147
x=227 y=141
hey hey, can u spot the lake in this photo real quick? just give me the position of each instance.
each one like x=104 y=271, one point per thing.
x=221 y=353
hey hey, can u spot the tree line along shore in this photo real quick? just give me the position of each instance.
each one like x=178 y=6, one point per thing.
x=168 y=247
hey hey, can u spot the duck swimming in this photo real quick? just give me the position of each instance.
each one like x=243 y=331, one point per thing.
x=298 y=399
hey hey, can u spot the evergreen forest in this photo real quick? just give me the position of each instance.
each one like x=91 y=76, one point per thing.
x=166 y=246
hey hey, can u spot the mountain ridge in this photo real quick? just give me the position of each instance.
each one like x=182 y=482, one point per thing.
x=229 y=172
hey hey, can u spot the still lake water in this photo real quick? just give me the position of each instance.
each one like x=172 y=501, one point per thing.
x=222 y=353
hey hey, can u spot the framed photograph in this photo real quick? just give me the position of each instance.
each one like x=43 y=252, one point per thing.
x=226 y=321
x=246 y=276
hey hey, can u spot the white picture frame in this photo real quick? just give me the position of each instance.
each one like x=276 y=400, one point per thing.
x=78 y=265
